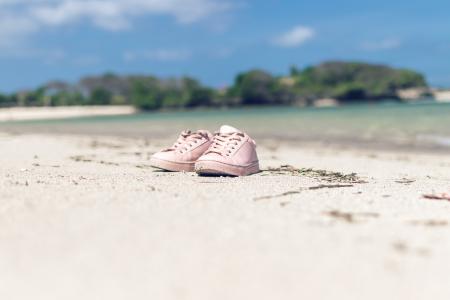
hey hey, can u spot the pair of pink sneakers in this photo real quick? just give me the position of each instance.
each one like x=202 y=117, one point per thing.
x=227 y=152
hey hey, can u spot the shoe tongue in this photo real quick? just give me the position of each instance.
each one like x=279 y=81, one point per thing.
x=205 y=133
x=202 y=131
x=228 y=129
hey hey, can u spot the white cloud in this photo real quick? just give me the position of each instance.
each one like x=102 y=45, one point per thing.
x=161 y=55
x=47 y=56
x=12 y=30
x=295 y=37
x=105 y=14
x=20 y=18
x=386 y=44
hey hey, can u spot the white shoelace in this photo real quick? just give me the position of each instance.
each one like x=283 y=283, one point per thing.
x=224 y=143
x=185 y=140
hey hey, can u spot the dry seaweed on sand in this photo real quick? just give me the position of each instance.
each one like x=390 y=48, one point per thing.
x=443 y=196
x=317 y=187
x=429 y=223
x=81 y=158
x=351 y=217
x=329 y=186
x=405 y=181
x=276 y=196
x=328 y=176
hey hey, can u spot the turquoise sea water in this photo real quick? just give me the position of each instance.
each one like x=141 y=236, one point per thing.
x=414 y=126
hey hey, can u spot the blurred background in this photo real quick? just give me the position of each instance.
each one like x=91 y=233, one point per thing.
x=369 y=73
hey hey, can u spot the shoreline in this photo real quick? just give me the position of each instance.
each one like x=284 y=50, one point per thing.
x=286 y=128
x=306 y=141
x=67 y=112
x=62 y=112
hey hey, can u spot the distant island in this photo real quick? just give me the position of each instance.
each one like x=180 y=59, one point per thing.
x=330 y=83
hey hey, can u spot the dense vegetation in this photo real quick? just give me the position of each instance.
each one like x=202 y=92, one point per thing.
x=339 y=80
x=354 y=81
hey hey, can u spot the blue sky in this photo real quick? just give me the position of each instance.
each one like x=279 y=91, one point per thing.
x=213 y=40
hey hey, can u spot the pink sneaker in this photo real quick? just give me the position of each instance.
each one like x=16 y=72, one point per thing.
x=183 y=154
x=231 y=153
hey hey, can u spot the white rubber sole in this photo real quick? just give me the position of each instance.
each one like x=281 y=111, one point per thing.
x=218 y=168
x=172 y=166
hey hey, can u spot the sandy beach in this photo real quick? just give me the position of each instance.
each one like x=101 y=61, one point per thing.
x=64 y=112
x=346 y=104
x=86 y=217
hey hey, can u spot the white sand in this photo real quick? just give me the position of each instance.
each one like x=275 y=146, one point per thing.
x=441 y=95
x=86 y=218
x=38 y=113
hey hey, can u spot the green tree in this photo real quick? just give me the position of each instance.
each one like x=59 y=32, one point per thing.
x=201 y=96
x=146 y=94
x=258 y=87
x=294 y=71
x=353 y=81
x=254 y=87
x=100 y=96
x=6 y=101
x=195 y=94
